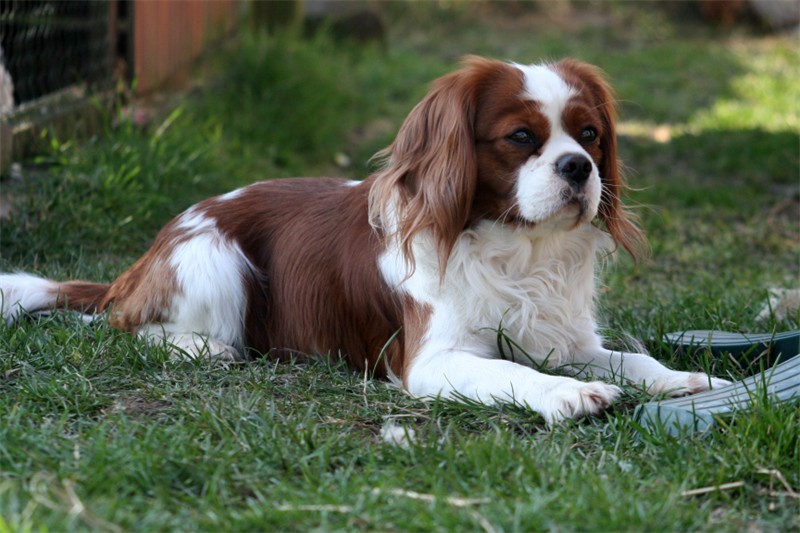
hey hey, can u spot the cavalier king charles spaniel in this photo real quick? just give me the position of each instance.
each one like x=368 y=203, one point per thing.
x=484 y=222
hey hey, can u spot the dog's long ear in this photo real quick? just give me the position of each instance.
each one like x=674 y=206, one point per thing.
x=430 y=170
x=617 y=219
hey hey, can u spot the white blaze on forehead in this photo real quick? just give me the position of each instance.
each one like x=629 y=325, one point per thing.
x=541 y=192
x=545 y=86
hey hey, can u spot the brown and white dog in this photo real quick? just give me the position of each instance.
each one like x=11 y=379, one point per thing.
x=492 y=205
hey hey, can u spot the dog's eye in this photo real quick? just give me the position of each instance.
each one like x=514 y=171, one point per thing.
x=522 y=136
x=588 y=135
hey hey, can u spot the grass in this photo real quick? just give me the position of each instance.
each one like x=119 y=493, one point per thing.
x=102 y=432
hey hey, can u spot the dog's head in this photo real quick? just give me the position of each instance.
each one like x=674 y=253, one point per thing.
x=532 y=147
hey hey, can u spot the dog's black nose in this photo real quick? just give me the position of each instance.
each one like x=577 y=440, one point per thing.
x=574 y=168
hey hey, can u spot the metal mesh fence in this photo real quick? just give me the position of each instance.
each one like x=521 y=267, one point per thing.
x=51 y=45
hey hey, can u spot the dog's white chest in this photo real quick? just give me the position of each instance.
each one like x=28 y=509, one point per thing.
x=537 y=290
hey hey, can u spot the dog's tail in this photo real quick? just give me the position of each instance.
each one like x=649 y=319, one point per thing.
x=25 y=293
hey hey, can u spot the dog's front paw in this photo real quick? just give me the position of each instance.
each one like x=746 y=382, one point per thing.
x=571 y=398
x=683 y=383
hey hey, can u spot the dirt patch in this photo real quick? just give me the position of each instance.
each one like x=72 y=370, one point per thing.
x=138 y=407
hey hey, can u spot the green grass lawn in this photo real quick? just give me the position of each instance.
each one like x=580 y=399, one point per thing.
x=99 y=431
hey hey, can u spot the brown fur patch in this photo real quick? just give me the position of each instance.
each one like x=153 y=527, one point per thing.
x=315 y=284
x=416 y=317
x=593 y=87
x=82 y=296
x=317 y=287
x=502 y=111
x=431 y=167
x=144 y=293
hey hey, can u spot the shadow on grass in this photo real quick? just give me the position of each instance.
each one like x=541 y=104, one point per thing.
x=738 y=171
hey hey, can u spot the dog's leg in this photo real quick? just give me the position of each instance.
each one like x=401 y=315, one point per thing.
x=641 y=370
x=453 y=374
x=206 y=315
x=190 y=293
x=188 y=345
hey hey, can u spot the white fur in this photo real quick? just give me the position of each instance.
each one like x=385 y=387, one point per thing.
x=25 y=292
x=541 y=193
x=403 y=437
x=545 y=86
x=188 y=345
x=640 y=370
x=194 y=222
x=537 y=288
x=208 y=309
x=782 y=303
x=455 y=374
x=536 y=285
x=233 y=195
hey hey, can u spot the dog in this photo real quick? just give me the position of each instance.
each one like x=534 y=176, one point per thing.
x=485 y=221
